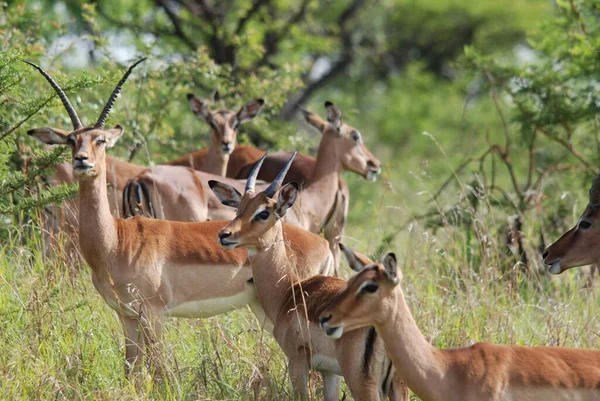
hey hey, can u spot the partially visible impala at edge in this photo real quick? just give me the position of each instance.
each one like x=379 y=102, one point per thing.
x=581 y=244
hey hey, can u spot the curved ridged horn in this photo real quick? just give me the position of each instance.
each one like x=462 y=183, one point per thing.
x=113 y=96
x=251 y=181
x=595 y=192
x=61 y=94
x=270 y=191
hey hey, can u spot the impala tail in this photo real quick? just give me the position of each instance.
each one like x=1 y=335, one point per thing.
x=137 y=200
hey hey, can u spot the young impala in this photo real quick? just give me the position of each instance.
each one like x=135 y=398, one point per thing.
x=479 y=372
x=181 y=194
x=224 y=125
x=144 y=268
x=579 y=245
x=293 y=302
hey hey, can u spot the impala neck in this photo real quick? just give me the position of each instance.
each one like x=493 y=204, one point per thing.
x=418 y=362
x=272 y=269
x=216 y=161
x=97 y=228
x=323 y=184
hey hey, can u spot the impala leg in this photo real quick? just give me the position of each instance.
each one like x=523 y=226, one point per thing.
x=260 y=314
x=152 y=324
x=331 y=387
x=133 y=345
x=398 y=391
x=299 y=370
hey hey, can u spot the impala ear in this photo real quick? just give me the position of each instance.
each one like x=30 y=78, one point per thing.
x=312 y=119
x=391 y=268
x=334 y=115
x=355 y=260
x=215 y=96
x=199 y=107
x=250 y=110
x=287 y=197
x=50 y=136
x=225 y=193
x=112 y=135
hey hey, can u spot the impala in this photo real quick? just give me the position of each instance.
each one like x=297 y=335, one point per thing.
x=145 y=269
x=224 y=125
x=479 y=372
x=579 y=245
x=181 y=194
x=293 y=303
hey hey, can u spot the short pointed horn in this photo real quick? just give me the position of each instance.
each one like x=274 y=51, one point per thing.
x=270 y=191
x=113 y=96
x=61 y=94
x=251 y=181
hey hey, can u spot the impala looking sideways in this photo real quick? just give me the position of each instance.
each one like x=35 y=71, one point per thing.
x=581 y=244
x=480 y=372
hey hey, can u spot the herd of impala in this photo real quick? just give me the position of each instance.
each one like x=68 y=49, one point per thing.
x=157 y=245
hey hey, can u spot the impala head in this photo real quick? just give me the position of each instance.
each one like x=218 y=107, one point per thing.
x=368 y=297
x=257 y=213
x=347 y=140
x=88 y=144
x=580 y=245
x=224 y=123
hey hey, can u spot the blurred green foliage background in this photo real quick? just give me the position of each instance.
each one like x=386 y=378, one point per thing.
x=484 y=113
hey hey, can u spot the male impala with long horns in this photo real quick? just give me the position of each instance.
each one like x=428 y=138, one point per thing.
x=143 y=268
x=293 y=302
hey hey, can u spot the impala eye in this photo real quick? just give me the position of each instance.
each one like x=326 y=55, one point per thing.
x=355 y=136
x=100 y=141
x=71 y=141
x=369 y=287
x=584 y=225
x=263 y=215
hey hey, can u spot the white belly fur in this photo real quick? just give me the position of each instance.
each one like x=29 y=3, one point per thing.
x=215 y=306
x=324 y=363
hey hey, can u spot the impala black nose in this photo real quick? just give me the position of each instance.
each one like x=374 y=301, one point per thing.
x=81 y=157
x=224 y=234
x=226 y=146
x=325 y=319
x=545 y=255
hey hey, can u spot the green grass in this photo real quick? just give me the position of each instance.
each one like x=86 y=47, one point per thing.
x=60 y=341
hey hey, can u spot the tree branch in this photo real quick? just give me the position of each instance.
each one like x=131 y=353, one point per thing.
x=256 y=6
x=178 y=29
x=578 y=15
x=346 y=58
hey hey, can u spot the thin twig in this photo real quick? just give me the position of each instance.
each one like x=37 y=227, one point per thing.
x=578 y=15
